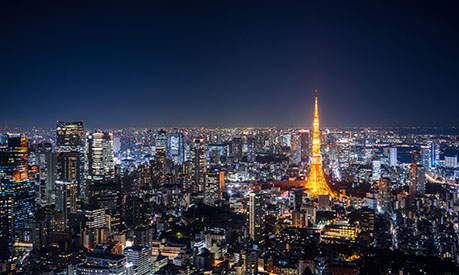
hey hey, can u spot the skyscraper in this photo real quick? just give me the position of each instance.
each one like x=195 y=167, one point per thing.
x=70 y=149
x=255 y=216
x=383 y=195
x=417 y=180
x=46 y=160
x=176 y=147
x=198 y=156
x=161 y=138
x=316 y=183
x=376 y=173
x=434 y=153
x=393 y=156
x=213 y=187
x=160 y=157
x=66 y=199
x=99 y=162
x=17 y=192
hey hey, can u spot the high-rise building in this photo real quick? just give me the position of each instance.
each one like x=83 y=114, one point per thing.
x=160 y=157
x=316 y=183
x=417 y=180
x=70 y=149
x=287 y=140
x=176 y=147
x=66 y=199
x=425 y=155
x=393 y=156
x=344 y=154
x=99 y=161
x=46 y=161
x=116 y=145
x=305 y=144
x=255 y=216
x=376 y=171
x=383 y=195
x=161 y=138
x=214 y=186
x=70 y=136
x=451 y=161
x=236 y=148
x=199 y=160
x=17 y=193
x=434 y=153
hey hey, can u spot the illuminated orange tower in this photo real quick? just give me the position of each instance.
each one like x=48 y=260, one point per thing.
x=316 y=183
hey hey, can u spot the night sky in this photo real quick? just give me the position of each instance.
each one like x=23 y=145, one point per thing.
x=229 y=63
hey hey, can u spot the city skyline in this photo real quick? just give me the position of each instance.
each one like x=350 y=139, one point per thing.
x=183 y=137
x=238 y=65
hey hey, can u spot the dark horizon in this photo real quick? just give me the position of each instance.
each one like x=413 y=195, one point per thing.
x=229 y=64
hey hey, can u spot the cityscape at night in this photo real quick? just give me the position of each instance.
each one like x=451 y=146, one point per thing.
x=229 y=137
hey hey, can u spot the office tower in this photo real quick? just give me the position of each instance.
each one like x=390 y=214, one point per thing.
x=107 y=195
x=451 y=161
x=287 y=140
x=255 y=216
x=15 y=158
x=161 y=138
x=393 y=156
x=218 y=153
x=160 y=158
x=198 y=156
x=425 y=155
x=214 y=187
x=70 y=152
x=434 y=153
x=140 y=258
x=66 y=199
x=46 y=161
x=95 y=217
x=70 y=136
x=305 y=146
x=376 y=172
x=17 y=193
x=99 y=162
x=417 y=180
x=344 y=154
x=236 y=149
x=316 y=183
x=383 y=194
x=116 y=145
x=295 y=155
x=176 y=147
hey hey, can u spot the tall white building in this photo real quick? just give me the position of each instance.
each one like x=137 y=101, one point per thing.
x=376 y=175
x=393 y=157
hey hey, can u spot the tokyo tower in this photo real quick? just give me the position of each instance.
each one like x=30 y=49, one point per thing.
x=316 y=183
